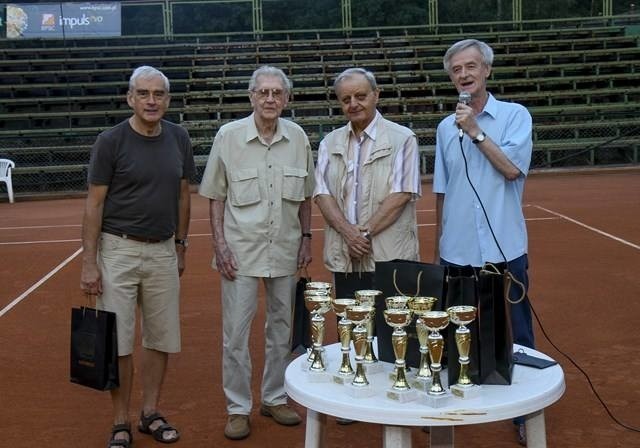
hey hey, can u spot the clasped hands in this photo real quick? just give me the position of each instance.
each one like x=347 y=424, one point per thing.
x=358 y=240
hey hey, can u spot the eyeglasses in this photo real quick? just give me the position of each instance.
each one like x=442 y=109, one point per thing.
x=263 y=94
x=158 y=95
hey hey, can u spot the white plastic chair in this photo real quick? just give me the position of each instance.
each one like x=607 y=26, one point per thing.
x=5 y=175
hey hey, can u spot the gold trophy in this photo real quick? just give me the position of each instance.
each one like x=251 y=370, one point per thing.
x=316 y=293
x=398 y=319
x=463 y=315
x=319 y=286
x=397 y=302
x=359 y=315
x=420 y=306
x=344 y=334
x=368 y=297
x=434 y=321
x=317 y=305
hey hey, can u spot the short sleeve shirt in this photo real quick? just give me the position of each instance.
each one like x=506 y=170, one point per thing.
x=263 y=186
x=143 y=175
x=466 y=237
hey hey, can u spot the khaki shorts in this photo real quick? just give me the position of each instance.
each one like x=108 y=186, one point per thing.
x=145 y=275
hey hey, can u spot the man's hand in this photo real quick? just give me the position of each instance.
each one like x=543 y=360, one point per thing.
x=357 y=240
x=181 y=252
x=304 y=253
x=225 y=261
x=91 y=279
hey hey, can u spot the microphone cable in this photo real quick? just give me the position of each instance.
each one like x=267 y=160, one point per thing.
x=495 y=239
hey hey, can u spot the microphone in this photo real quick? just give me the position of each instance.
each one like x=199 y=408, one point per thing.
x=464 y=98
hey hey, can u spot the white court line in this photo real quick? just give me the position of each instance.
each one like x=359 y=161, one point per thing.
x=588 y=227
x=37 y=284
x=195 y=235
x=40 y=227
x=10 y=243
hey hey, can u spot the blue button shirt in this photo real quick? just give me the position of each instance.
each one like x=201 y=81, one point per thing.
x=466 y=238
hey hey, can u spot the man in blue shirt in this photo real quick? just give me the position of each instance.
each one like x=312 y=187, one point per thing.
x=486 y=145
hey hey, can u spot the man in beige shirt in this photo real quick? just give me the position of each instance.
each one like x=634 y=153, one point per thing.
x=259 y=179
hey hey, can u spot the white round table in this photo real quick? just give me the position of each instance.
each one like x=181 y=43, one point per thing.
x=530 y=392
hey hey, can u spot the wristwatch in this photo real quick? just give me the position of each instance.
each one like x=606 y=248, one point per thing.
x=479 y=138
x=183 y=242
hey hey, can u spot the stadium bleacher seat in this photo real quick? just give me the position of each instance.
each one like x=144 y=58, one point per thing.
x=580 y=84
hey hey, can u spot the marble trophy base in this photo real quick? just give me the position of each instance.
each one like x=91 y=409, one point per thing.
x=402 y=396
x=319 y=376
x=371 y=368
x=436 y=401
x=421 y=384
x=359 y=391
x=465 y=392
x=343 y=379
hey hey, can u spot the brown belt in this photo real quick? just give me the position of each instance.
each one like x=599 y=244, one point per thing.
x=140 y=239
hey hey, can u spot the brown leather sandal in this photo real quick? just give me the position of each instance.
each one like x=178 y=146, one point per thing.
x=158 y=433
x=120 y=443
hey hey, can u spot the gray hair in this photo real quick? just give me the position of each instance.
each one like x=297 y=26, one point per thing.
x=484 y=49
x=146 y=72
x=348 y=73
x=268 y=70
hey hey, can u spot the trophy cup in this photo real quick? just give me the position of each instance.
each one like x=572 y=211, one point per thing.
x=434 y=321
x=344 y=334
x=420 y=306
x=398 y=319
x=317 y=305
x=368 y=297
x=312 y=293
x=397 y=302
x=463 y=315
x=359 y=315
x=319 y=286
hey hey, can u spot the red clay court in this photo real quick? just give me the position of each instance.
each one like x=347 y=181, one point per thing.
x=584 y=250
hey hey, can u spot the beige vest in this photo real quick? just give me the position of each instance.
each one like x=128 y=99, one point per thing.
x=399 y=240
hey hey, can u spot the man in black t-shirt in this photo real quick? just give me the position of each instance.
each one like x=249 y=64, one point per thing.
x=134 y=238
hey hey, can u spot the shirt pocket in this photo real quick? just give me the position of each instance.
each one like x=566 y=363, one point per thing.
x=293 y=183
x=244 y=188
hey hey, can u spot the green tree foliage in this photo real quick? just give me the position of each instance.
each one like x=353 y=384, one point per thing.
x=212 y=17
x=389 y=12
x=296 y=14
x=220 y=16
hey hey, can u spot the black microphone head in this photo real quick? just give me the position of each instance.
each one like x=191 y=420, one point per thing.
x=464 y=98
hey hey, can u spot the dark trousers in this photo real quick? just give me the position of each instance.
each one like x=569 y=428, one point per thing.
x=521 y=323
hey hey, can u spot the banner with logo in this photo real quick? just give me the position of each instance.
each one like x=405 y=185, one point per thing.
x=63 y=20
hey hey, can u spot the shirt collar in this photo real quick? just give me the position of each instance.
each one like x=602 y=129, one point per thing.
x=371 y=131
x=491 y=107
x=252 y=130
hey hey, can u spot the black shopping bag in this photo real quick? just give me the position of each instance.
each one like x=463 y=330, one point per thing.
x=405 y=278
x=491 y=353
x=301 y=321
x=94 y=349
